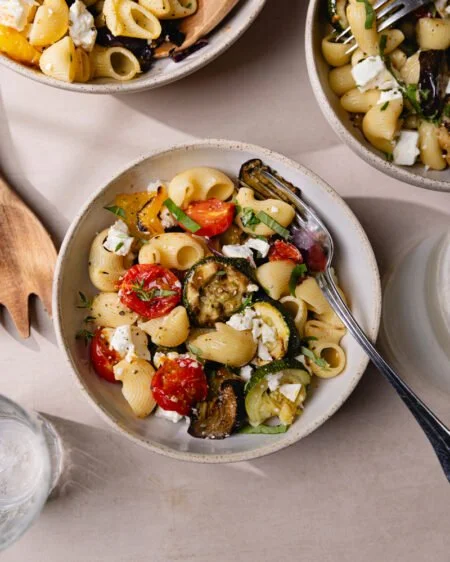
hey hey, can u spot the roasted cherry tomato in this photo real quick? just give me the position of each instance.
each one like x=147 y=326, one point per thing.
x=214 y=216
x=150 y=290
x=281 y=250
x=102 y=357
x=179 y=384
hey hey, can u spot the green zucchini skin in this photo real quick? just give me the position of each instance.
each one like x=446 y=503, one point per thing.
x=336 y=14
x=276 y=367
x=201 y=310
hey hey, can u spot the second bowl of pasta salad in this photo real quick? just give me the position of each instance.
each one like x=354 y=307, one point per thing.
x=387 y=93
x=193 y=319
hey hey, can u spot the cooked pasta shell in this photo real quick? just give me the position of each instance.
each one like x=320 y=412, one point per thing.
x=108 y=311
x=180 y=9
x=381 y=121
x=199 y=184
x=170 y=330
x=50 y=23
x=136 y=378
x=59 y=60
x=82 y=66
x=159 y=8
x=115 y=62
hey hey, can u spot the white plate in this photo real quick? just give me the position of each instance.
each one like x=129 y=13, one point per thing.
x=355 y=264
x=163 y=71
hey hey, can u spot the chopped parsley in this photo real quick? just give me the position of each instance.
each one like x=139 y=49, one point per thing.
x=118 y=211
x=119 y=245
x=410 y=93
x=299 y=270
x=384 y=106
x=317 y=360
x=246 y=302
x=370 y=14
x=84 y=301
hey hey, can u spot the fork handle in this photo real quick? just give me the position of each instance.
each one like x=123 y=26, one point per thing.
x=437 y=433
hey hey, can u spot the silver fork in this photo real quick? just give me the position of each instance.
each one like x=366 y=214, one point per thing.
x=307 y=219
x=391 y=10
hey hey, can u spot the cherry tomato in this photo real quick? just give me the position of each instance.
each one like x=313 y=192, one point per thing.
x=150 y=290
x=102 y=357
x=179 y=384
x=281 y=250
x=316 y=259
x=214 y=216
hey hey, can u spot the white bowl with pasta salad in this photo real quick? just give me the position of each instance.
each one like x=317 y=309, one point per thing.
x=188 y=310
x=389 y=97
x=116 y=46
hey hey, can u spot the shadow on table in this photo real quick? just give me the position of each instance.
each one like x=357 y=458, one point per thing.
x=243 y=83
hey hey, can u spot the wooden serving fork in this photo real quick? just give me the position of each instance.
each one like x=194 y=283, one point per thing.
x=27 y=259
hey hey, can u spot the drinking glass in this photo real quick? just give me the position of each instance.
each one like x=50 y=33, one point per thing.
x=31 y=461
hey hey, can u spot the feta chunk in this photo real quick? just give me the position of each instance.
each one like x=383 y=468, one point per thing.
x=260 y=246
x=118 y=240
x=81 y=26
x=252 y=288
x=158 y=357
x=406 y=150
x=242 y=320
x=14 y=13
x=389 y=95
x=167 y=219
x=238 y=251
x=263 y=352
x=262 y=331
x=371 y=73
x=290 y=391
x=246 y=372
x=447 y=89
x=130 y=342
x=174 y=417
x=273 y=381
x=153 y=185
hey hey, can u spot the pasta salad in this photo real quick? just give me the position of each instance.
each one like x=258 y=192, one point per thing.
x=78 y=40
x=208 y=308
x=395 y=83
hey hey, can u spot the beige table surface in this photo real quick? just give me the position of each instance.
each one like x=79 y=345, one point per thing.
x=365 y=486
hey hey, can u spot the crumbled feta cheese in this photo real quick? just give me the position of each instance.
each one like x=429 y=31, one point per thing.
x=252 y=288
x=118 y=240
x=371 y=73
x=167 y=219
x=263 y=353
x=238 y=251
x=242 y=320
x=290 y=391
x=389 y=95
x=260 y=246
x=174 y=417
x=263 y=332
x=14 y=13
x=130 y=342
x=81 y=26
x=158 y=357
x=246 y=372
x=274 y=209
x=153 y=185
x=273 y=381
x=447 y=89
x=406 y=150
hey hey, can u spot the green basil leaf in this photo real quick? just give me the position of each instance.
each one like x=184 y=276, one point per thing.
x=118 y=211
x=273 y=224
x=181 y=216
x=299 y=270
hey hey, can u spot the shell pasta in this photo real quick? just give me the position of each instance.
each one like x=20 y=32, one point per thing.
x=395 y=82
x=198 y=314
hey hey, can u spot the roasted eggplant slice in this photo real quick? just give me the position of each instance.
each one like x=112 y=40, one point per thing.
x=251 y=175
x=432 y=82
x=337 y=14
x=223 y=412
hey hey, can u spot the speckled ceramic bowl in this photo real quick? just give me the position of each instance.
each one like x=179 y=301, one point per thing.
x=163 y=71
x=355 y=264
x=339 y=119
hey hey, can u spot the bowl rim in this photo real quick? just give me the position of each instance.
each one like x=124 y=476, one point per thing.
x=154 y=446
x=372 y=158
x=209 y=54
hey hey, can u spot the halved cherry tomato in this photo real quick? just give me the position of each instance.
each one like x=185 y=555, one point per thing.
x=281 y=250
x=179 y=384
x=214 y=216
x=103 y=358
x=150 y=290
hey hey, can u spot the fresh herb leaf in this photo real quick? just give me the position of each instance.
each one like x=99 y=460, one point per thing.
x=236 y=206
x=382 y=45
x=119 y=245
x=85 y=335
x=118 y=211
x=424 y=94
x=246 y=302
x=273 y=224
x=410 y=92
x=195 y=350
x=88 y=319
x=299 y=270
x=309 y=338
x=264 y=429
x=317 y=360
x=221 y=273
x=389 y=156
x=260 y=237
x=249 y=218
x=384 y=106
x=181 y=216
x=370 y=14
x=84 y=301
x=147 y=295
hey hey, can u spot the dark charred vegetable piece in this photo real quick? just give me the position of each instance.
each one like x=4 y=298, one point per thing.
x=432 y=82
x=181 y=55
x=224 y=410
x=337 y=15
x=170 y=33
x=139 y=47
x=251 y=175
